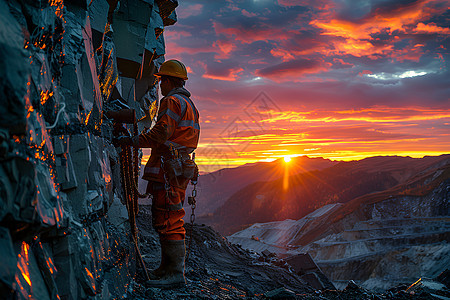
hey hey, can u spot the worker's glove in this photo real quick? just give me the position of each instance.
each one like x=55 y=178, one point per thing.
x=122 y=141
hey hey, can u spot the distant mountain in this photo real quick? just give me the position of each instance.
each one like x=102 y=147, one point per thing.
x=272 y=201
x=216 y=187
x=380 y=239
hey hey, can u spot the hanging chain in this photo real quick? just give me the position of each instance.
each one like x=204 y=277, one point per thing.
x=193 y=203
x=167 y=189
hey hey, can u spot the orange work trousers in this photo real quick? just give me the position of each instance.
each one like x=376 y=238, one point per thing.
x=167 y=210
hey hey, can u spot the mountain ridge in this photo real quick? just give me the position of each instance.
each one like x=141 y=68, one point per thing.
x=368 y=238
x=216 y=187
x=342 y=182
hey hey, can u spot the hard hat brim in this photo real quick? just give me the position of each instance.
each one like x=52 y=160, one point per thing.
x=171 y=75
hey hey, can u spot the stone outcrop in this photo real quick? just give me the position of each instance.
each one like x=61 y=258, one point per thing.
x=63 y=66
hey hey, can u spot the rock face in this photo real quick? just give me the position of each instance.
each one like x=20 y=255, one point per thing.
x=379 y=240
x=64 y=65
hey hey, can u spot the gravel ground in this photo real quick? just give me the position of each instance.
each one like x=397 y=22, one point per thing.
x=217 y=269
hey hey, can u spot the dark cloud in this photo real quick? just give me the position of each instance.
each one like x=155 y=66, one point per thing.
x=393 y=7
x=291 y=70
x=222 y=71
x=328 y=46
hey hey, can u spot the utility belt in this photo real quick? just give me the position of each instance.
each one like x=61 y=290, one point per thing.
x=179 y=167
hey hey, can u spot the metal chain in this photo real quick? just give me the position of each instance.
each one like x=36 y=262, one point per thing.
x=193 y=203
x=166 y=188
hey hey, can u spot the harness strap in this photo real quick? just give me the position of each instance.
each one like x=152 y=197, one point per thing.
x=183 y=103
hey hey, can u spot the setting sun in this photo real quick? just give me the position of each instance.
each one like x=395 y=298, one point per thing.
x=287 y=159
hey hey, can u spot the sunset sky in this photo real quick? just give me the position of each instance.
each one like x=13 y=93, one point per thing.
x=340 y=79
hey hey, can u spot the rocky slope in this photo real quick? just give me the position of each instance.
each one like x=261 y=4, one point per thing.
x=217 y=269
x=379 y=240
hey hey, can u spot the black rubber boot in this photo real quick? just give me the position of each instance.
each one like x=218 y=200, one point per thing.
x=172 y=273
x=161 y=270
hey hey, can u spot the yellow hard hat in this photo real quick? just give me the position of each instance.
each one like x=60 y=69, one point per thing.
x=173 y=68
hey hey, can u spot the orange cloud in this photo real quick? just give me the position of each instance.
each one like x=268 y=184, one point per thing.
x=189 y=70
x=356 y=38
x=229 y=75
x=365 y=72
x=411 y=53
x=225 y=48
x=377 y=114
x=284 y=54
x=431 y=28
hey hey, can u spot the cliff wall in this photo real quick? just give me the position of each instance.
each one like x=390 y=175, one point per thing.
x=64 y=230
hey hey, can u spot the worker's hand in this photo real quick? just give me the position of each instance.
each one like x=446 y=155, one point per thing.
x=123 y=141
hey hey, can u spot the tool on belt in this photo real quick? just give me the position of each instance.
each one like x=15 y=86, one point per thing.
x=178 y=167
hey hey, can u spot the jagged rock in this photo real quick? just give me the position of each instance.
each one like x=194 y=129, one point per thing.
x=17 y=184
x=352 y=286
x=13 y=72
x=425 y=287
x=59 y=176
x=444 y=278
x=281 y=293
x=8 y=263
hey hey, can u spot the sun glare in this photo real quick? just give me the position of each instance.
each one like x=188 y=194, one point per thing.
x=287 y=159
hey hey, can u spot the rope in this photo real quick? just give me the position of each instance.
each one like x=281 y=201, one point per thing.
x=57 y=116
x=129 y=168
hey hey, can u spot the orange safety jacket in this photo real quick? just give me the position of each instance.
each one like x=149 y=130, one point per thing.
x=177 y=125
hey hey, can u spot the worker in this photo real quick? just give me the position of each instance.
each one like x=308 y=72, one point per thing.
x=176 y=131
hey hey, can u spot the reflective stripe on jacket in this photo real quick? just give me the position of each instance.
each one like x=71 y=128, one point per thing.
x=177 y=124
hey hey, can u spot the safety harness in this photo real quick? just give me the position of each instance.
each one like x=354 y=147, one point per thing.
x=177 y=151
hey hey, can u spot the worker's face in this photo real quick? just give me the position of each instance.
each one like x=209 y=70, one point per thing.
x=166 y=85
